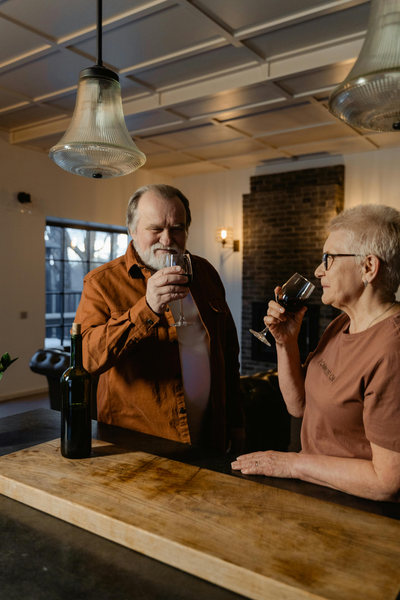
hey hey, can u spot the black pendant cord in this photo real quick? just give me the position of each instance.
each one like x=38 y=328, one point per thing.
x=99 y=39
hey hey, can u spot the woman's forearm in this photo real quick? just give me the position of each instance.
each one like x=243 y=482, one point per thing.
x=354 y=476
x=351 y=475
x=291 y=378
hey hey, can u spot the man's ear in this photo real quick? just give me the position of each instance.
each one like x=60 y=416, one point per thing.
x=371 y=268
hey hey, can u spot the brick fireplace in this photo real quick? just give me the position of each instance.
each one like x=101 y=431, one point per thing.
x=284 y=230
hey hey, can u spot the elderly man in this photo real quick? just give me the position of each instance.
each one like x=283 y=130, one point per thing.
x=178 y=383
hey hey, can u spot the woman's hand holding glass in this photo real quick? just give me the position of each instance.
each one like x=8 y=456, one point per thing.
x=283 y=325
x=291 y=297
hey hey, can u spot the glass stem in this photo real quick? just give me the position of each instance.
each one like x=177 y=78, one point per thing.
x=181 y=317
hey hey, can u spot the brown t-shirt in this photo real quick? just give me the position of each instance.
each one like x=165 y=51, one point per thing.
x=353 y=390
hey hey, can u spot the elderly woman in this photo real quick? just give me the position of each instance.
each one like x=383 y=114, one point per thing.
x=348 y=391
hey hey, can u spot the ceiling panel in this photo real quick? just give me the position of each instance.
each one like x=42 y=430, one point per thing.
x=168 y=159
x=190 y=169
x=384 y=140
x=229 y=100
x=196 y=67
x=169 y=31
x=9 y=99
x=149 y=148
x=16 y=41
x=45 y=75
x=60 y=19
x=282 y=120
x=198 y=95
x=44 y=144
x=197 y=136
x=320 y=31
x=255 y=159
x=225 y=149
x=148 y=120
x=309 y=134
x=251 y=12
x=339 y=146
x=316 y=80
x=25 y=116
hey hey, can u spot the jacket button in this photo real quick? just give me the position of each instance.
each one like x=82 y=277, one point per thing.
x=150 y=322
x=182 y=411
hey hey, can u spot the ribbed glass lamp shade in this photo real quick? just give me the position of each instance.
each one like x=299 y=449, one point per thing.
x=97 y=143
x=369 y=97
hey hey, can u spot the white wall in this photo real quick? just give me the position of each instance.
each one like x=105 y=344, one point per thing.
x=373 y=178
x=22 y=251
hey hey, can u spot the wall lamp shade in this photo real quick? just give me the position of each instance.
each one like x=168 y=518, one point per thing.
x=97 y=143
x=224 y=235
x=369 y=97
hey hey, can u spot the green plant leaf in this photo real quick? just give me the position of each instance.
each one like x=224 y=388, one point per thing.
x=5 y=362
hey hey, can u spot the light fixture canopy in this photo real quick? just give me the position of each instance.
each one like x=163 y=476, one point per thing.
x=97 y=143
x=369 y=97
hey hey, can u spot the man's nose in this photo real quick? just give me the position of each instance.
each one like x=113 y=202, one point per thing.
x=165 y=238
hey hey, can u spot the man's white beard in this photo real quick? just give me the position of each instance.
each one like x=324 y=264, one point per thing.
x=155 y=260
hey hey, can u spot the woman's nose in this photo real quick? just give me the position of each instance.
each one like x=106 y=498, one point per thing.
x=320 y=270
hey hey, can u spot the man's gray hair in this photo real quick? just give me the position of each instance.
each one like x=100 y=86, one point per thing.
x=163 y=191
x=374 y=229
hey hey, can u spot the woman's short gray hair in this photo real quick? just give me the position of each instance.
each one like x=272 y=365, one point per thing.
x=163 y=191
x=374 y=229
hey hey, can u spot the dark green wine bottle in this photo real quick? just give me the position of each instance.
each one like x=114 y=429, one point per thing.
x=76 y=412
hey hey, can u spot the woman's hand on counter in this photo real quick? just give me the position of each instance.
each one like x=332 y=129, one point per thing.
x=270 y=463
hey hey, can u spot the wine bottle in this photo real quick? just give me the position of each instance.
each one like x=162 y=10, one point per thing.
x=76 y=413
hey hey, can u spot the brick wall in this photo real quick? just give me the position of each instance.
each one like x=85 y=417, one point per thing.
x=284 y=221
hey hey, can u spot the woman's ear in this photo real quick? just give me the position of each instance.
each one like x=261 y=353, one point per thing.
x=371 y=268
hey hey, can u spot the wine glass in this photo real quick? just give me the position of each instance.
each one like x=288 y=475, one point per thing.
x=292 y=297
x=183 y=261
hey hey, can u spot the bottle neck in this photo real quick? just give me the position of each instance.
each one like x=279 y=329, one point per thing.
x=76 y=350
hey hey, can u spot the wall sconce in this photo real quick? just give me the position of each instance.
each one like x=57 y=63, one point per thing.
x=224 y=235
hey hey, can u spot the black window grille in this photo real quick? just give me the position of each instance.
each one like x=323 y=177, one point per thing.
x=73 y=248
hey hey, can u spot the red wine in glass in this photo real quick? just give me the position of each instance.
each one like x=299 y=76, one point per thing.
x=292 y=297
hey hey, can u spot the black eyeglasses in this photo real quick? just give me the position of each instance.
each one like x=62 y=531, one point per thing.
x=327 y=258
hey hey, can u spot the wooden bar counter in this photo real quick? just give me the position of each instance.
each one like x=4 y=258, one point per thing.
x=149 y=518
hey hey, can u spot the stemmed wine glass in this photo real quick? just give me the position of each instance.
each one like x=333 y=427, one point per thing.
x=183 y=261
x=292 y=297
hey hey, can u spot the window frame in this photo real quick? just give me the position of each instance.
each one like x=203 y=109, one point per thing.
x=87 y=226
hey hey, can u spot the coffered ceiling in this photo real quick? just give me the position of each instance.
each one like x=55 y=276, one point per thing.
x=207 y=85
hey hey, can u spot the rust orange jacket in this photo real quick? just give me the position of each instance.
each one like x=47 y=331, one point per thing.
x=136 y=353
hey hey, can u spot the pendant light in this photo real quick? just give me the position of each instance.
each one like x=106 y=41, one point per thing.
x=369 y=97
x=97 y=143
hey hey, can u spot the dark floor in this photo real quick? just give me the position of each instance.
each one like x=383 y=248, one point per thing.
x=13 y=407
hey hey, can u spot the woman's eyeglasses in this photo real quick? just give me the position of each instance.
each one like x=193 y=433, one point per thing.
x=328 y=258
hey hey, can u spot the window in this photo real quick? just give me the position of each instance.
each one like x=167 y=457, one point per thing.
x=73 y=248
